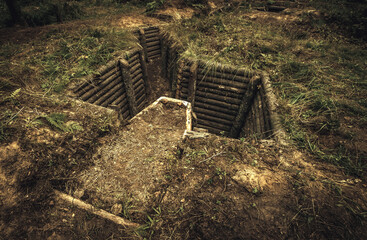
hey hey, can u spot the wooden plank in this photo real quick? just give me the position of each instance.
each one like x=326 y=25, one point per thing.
x=212 y=124
x=214 y=113
x=217 y=103
x=218 y=97
x=217 y=109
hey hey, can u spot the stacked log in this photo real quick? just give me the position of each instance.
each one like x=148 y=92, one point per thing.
x=106 y=89
x=153 y=42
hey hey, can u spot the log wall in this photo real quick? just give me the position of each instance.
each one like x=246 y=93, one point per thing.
x=226 y=100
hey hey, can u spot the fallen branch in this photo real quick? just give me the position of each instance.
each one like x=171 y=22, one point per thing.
x=96 y=211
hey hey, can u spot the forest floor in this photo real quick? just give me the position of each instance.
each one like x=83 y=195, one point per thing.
x=210 y=188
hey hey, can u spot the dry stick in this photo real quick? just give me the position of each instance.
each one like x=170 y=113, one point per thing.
x=126 y=77
x=215 y=155
x=143 y=43
x=244 y=107
x=96 y=211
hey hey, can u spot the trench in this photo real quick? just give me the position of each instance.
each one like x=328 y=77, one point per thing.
x=226 y=100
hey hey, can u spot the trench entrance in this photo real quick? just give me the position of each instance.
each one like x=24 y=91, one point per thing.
x=226 y=100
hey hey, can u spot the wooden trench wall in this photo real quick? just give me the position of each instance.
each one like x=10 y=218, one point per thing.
x=226 y=100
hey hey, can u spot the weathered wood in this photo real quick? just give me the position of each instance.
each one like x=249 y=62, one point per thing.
x=213 y=119
x=139 y=88
x=154 y=39
x=217 y=103
x=213 y=130
x=108 y=94
x=88 y=82
x=123 y=103
x=133 y=64
x=256 y=116
x=228 y=69
x=124 y=67
x=267 y=125
x=151 y=35
x=164 y=48
x=144 y=72
x=97 y=92
x=119 y=99
x=154 y=48
x=126 y=114
x=214 y=113
x=59 y=196
x=134 y=68
x=219 y=92
x=104 y=69
x=143 y=43
x=231 y=77
x=215 y=108
x=138 y=94
x=244 y=107
x=110 y=73
x=192 y=84
x=137 y=80
x=223 y=88
x=113 y=97
x=139 y=71
x=218 y=97
x=132 y=59
x=154 y=53
x=140 y=99
x=221 y=81
x=212 y=124
x=155 y=57
x=151 y=44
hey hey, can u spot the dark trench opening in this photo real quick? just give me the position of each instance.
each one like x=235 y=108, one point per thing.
x=226 y=100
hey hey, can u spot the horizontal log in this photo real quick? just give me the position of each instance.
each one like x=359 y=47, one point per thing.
x=151 y=35
x=107 y=94
x=156 y=56
x=140 y=99
x=126 y=113
x=87 y=81
x=94 y=89
x=138 y=89
x=213 y=113
x=107 y=68
x=87 y=88
x=155 y=52
x=219 y=92
x=134 y=63
x=219 y=87
x=138 y=79
x=231 y=77
x=155 y=43
x=113 y=96
x=212 y=124
x=213 y=119
x=109 y=73
x=213 y=130
x=154 y=39
x=123 y=103
x=136 y=73
x=216 y=102
x=216 y=108
x=202 y=78
x=153 y=48
x=120 y=98
x=151 y=30
x=218 y=97
x=133 y=58
x=139 y=93
x=103 y=90
x=136 y=67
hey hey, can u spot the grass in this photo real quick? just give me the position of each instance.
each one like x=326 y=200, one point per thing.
x=57 y=57
x=319 y=76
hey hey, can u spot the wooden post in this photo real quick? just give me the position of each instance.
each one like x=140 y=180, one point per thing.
x=192 y=83
x=145 y=71
x=164 y=57
x=244 y=107
x=143 y=43
x=126 y=78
